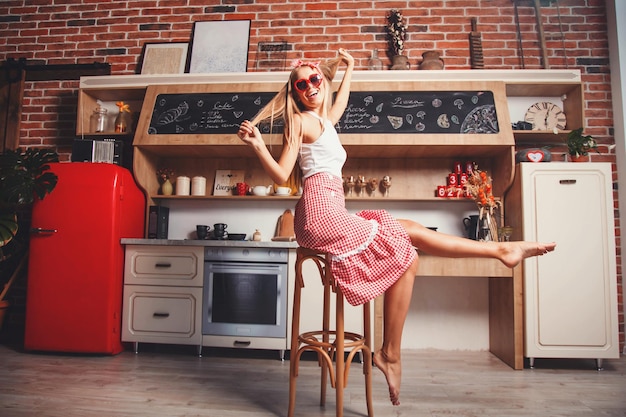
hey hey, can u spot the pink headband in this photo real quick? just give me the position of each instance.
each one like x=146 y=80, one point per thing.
x=297 y=63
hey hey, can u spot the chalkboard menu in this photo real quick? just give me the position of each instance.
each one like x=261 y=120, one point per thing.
x=205 y=113
x=420 y=112
x=367 y=112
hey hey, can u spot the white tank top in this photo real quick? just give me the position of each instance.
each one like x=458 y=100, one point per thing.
x=326 y=154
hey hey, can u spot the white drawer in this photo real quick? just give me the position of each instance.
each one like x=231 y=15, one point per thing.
x=162 y=315
x=164 y=265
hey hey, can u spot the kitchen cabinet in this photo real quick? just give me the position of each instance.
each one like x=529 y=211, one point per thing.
x=570 y=296
x=416 y=162
x=163 y=295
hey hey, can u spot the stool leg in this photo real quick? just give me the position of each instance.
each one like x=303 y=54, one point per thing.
x=294 y=357
x=340 y=382
x=367 y=364
x=325 y=333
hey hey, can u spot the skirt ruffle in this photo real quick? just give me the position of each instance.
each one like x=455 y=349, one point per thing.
x=370 y=249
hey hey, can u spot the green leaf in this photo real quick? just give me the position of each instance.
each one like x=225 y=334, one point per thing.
x=8 y=227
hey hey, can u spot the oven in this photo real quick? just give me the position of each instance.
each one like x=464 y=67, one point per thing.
x=245 y=293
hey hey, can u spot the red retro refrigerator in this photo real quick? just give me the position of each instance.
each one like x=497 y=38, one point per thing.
x=76 y=260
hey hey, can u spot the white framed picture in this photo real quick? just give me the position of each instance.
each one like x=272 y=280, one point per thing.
x=164 y=58
x=226 y=180
x=220 y=46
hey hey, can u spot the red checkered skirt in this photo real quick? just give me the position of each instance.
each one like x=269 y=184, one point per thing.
x=370 y=249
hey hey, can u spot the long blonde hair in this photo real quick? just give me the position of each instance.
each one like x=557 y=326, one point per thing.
x=284 y=106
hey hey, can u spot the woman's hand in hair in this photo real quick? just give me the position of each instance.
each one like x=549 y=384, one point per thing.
x=250 y=135
x=346 y=57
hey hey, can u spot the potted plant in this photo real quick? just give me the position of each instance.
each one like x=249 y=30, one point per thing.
x=579 y=145
x=397 y=34
x=24 y=176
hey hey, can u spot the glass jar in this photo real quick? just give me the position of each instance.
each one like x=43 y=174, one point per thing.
x=375 y=63
x=98 y=120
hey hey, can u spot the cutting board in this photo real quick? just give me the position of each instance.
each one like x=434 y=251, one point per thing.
x=285 y=229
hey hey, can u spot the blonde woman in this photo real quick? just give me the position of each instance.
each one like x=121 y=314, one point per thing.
x=372 y=253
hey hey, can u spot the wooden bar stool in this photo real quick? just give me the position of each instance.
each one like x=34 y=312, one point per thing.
x=328 y=344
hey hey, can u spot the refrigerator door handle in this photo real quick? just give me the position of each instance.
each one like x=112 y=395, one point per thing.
x=40 y=231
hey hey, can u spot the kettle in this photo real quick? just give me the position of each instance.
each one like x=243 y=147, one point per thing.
x=262 y=190
x=471 y=227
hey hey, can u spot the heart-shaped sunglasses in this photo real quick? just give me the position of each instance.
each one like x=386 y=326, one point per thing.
x=302 y=84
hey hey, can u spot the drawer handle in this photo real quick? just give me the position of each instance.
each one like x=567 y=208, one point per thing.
x=567 y=181
x=163 y=265
x=242 y=343
x=161 y=315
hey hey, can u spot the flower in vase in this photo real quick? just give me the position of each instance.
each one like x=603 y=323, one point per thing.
x=396 y=30
x=164 y=174
x=479 y=186
x=124 y=108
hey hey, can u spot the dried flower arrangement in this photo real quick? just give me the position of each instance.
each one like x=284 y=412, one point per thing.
x=164 y=174
x=397 y=31
x=479 y=187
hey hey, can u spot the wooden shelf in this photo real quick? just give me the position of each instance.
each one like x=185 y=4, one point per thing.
x=542 y=137
x=248 y=198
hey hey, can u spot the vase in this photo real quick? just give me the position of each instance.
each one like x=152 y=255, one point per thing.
x=431 y=61
x=375 y=64
x=122 y=122
x=167 y=188
x=400 y=62
x=487 y=227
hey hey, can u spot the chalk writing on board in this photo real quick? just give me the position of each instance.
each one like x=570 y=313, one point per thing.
x=205 y=113
x=366 y=112
x=420 y=112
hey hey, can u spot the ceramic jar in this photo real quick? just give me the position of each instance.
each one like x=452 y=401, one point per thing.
x=431 y=61
x=400 y=62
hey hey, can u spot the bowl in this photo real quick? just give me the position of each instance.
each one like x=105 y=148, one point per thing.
x=236 y=236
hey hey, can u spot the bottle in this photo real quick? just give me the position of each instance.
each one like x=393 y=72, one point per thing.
x=375 y=63
x=98 y=120
x=122 y=121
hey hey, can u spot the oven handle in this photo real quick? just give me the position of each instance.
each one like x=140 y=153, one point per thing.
x=239 y=266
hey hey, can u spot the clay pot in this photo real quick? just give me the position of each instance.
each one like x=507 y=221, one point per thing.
x=579 y=158
x=400 y=62
x=431 y=61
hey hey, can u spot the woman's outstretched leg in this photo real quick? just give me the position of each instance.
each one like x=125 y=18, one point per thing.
x=397 y=301
x=441 y=244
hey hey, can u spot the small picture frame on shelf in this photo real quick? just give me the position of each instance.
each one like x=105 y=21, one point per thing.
x=220 y=46
x=226 y=181
x=164 y=58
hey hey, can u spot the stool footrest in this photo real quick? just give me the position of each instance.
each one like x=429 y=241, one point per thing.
x=316 y=338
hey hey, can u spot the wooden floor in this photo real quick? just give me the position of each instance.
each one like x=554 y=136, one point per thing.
x=167 y=381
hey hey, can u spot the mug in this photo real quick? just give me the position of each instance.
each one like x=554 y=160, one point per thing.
x=471 y=227
x=241 y=188
x=219 y=230
x=202 y=230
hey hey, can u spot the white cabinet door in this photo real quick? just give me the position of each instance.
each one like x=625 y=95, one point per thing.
x=162 y=314
x=571 y=294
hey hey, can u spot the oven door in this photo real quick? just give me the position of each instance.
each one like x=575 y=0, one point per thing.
x=245 y=299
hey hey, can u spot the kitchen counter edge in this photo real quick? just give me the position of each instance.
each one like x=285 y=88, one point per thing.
x=214 y=243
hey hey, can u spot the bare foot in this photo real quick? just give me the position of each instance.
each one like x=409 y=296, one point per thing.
x=513 y=253
x=393 y=374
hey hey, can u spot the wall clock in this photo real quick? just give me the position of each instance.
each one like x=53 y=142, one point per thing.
x=544 y=115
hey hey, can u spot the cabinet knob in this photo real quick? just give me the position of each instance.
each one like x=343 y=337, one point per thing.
x=567 y=181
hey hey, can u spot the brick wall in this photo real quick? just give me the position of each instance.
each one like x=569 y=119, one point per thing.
x=114 y=32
